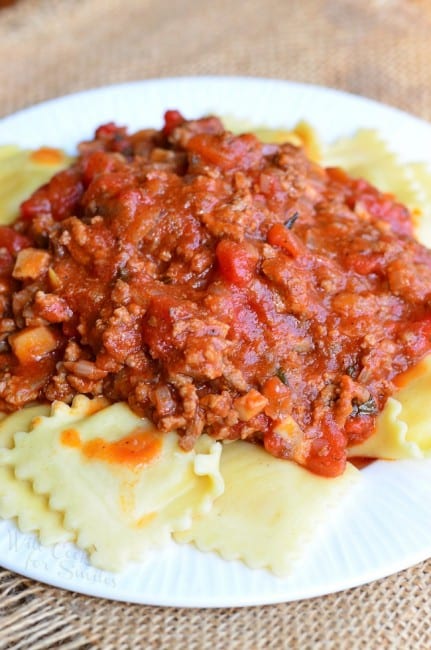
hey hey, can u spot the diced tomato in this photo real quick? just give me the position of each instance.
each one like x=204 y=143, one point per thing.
x=381 y=206
x=359 y=429
x=172 y=120
x=237 y=264
x=386 y=209
x=12 y=240
x=6 y=262
x=107 y=131
x=98 y=163
x=242 y=152
x=338 y=175
x=158 y=325
x=107 y=185
x=113 y=138
x=364 y=264
x=279 y=235
x=327 y=455
x=418 y=337
x=60 y=197
x=378 y=204
x=275 y=445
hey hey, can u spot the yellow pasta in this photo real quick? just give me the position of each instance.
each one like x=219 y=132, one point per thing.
x=17 y=499
x=21 y=172
x=420 y=177
x=270 y=509
x=366 y=155
x=117 y=508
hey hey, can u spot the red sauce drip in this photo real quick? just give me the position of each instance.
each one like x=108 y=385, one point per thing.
x=138 y=448
x=360 y=462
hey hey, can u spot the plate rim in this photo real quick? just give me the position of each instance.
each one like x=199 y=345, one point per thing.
x=54 y=102
x=211 y=78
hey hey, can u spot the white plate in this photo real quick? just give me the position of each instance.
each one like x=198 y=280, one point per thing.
x=386 y=525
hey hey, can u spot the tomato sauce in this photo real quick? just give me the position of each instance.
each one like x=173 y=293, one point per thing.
x=140 y=447
x=219 y=285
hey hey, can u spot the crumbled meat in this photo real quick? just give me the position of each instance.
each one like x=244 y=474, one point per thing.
x=217 y=284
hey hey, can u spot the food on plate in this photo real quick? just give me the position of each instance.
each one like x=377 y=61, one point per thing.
x=402 y=429
x=22 y=171
x=366 y=156
x=122 y=486
x=17 y=498
x=301 y=135
x=270 y=509
x=100 y=476
x=420 y=178
x=215 y=284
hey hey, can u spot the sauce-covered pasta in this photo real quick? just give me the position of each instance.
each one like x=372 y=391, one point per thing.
x=217 y=284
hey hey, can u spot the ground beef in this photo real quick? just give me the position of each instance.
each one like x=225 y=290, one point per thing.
x=219 y=285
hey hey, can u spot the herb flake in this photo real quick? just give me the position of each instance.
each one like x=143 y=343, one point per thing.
x=281 y=374
x=291 y=221
x=366 y=408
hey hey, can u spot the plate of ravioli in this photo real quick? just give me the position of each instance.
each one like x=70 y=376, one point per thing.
x=215 y=341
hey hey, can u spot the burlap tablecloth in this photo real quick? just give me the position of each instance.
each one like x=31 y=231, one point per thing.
x=378 y=48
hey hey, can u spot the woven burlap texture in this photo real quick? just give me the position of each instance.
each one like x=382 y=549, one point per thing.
x=378 y=48
x=391 y=613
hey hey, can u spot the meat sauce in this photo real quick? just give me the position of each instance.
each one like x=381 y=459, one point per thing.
x=219 y=285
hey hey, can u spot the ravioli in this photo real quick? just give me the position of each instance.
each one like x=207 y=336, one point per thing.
x=17 y=498
x=269 y=511
x=120 y=503
x=366 y=155
x=420 y=177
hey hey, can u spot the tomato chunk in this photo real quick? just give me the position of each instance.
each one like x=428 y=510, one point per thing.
x=60 y=197
x=279 y=235
x=12 y=240
x=172 y=120
x=327 y=455
x=237 y=263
